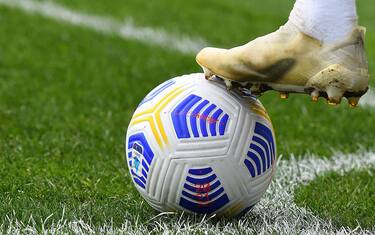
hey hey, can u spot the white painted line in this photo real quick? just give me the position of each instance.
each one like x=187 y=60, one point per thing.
x=278 y=207
x=275 y=214
x=126 y=30
x=368 y=100
x=107 y=25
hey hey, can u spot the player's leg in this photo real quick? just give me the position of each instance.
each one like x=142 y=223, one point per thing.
x=319 y=51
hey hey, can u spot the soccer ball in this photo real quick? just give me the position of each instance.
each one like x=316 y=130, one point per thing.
x=194 y=146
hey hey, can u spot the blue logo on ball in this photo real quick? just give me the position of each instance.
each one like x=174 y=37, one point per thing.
x=140 y=157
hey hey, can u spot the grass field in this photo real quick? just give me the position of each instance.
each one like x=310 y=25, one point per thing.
x=67 y=94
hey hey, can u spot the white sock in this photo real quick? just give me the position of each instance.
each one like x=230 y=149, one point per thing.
x=326 y=20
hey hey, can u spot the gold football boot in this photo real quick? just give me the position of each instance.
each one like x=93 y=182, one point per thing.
x=289 y=61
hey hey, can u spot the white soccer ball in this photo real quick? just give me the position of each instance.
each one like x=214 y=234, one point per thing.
x=193 y=146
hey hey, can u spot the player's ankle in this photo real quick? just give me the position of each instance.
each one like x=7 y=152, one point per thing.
x=328 y=21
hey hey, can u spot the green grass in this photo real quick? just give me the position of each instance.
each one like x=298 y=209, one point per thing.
x=195 y=17
x=67 y=95
x=239 y=20
x=349 y=199
x=64 y=109
x=314 y=122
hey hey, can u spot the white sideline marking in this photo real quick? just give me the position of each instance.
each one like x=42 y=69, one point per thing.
x=126 y=30
x=279 y=207
x=275 y=214
x=107 y=25
x=368 y=100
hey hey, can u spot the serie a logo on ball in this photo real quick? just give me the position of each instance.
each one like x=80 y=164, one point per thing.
x=193 y=146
